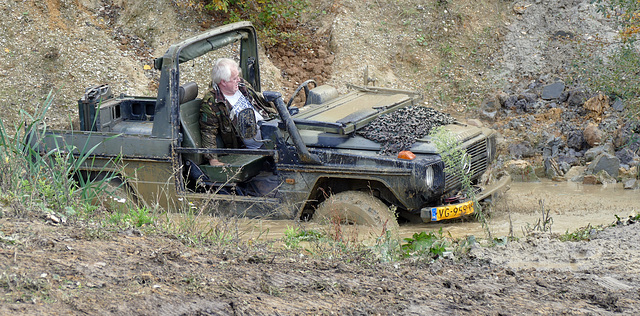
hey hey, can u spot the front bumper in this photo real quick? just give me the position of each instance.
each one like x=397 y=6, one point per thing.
x=432 y=214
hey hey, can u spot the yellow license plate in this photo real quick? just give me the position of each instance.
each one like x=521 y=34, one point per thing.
x=451 y=211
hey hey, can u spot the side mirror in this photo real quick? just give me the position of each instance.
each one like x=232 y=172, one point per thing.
x=246 y=123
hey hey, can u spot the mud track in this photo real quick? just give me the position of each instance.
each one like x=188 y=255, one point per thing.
x=75 y=269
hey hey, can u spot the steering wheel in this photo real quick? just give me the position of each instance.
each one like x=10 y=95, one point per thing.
x=305 y=86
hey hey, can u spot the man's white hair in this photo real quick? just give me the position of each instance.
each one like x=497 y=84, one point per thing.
x=222 y=69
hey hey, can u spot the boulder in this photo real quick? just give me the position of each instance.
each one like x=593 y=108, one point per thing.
x=551 y=168
x=552 y=91
x=594 y=152
x=592 y=135
x=605 y=162
x=521 y=150
x=631 y=184
x=475 y=122
x=552 y=147
x=528 y=96
x=626 y=156
x=590 y=179
x=597 y=104
x=577 y=98
x=605 y=178
x=601 y=177
x=510 y=102
x=491 y=115
x=522 y=171
x=575 y=140
x=618 y=105
x=575 y=173
x=568 y=159
x=491 y=103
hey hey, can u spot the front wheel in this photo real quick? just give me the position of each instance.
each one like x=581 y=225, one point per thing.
x=355 y=208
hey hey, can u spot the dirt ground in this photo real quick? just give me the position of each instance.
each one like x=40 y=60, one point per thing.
x=452 y=51
x=74 y=269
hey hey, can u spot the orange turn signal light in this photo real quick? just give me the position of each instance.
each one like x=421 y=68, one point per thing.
x=407 y=155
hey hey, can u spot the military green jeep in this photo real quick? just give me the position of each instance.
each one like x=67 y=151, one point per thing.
x=313 y=163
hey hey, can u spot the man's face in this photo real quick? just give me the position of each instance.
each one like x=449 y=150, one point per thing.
x=230 y=87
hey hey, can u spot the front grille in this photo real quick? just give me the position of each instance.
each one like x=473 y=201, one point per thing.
x=479 y=161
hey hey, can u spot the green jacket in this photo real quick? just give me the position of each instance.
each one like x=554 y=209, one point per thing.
x=215 y=119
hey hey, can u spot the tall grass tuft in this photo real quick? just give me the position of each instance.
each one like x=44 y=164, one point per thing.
x=32 y=179
x=452 y=154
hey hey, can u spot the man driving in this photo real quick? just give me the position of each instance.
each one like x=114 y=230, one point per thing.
x=228 y=95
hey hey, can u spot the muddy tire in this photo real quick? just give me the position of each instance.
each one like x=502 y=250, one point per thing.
x=355 y=208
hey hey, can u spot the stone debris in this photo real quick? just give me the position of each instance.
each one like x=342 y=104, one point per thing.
x=398 y=130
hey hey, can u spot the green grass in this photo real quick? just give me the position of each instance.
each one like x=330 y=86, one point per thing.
x=421 y=244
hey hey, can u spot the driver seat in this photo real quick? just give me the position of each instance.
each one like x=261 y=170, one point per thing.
x=237 y=168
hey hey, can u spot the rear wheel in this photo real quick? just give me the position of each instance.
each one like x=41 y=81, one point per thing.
x=117 y=196
x=355 y=208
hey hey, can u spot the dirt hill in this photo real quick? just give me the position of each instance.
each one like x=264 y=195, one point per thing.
x=452 y=51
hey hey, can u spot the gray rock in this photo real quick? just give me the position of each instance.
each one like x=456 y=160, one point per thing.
x=564 y=96
x=625 y=155
x=521 y=105
x=564 y=167
x=577 y=98
x=568 y=159
x=631 y=184
x=553 y=91
x=618 y=105
x=491 y=103
x=576 y=140
x=510 y=102
x=551 y=168
x=605 y=162
x=552 y=147
x=594 y=152
x=490 y=115
x=528 y=96
x=521 y=150
x=571 y=152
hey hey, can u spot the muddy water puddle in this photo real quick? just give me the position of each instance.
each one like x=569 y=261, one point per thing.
x=571 y=206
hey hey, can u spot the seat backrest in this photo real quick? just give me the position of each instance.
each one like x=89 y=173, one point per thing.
x=190 y=120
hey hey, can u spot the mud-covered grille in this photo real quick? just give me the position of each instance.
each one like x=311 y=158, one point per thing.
x=479 y=161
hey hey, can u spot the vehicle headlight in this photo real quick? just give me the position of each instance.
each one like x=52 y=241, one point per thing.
x=428 y=177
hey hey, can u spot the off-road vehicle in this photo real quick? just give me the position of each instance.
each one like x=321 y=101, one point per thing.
x=313 y=164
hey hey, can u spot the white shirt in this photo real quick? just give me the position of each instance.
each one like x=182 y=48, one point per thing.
x=238 y=103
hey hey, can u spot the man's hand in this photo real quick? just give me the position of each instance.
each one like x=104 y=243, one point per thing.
x=215 y=162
